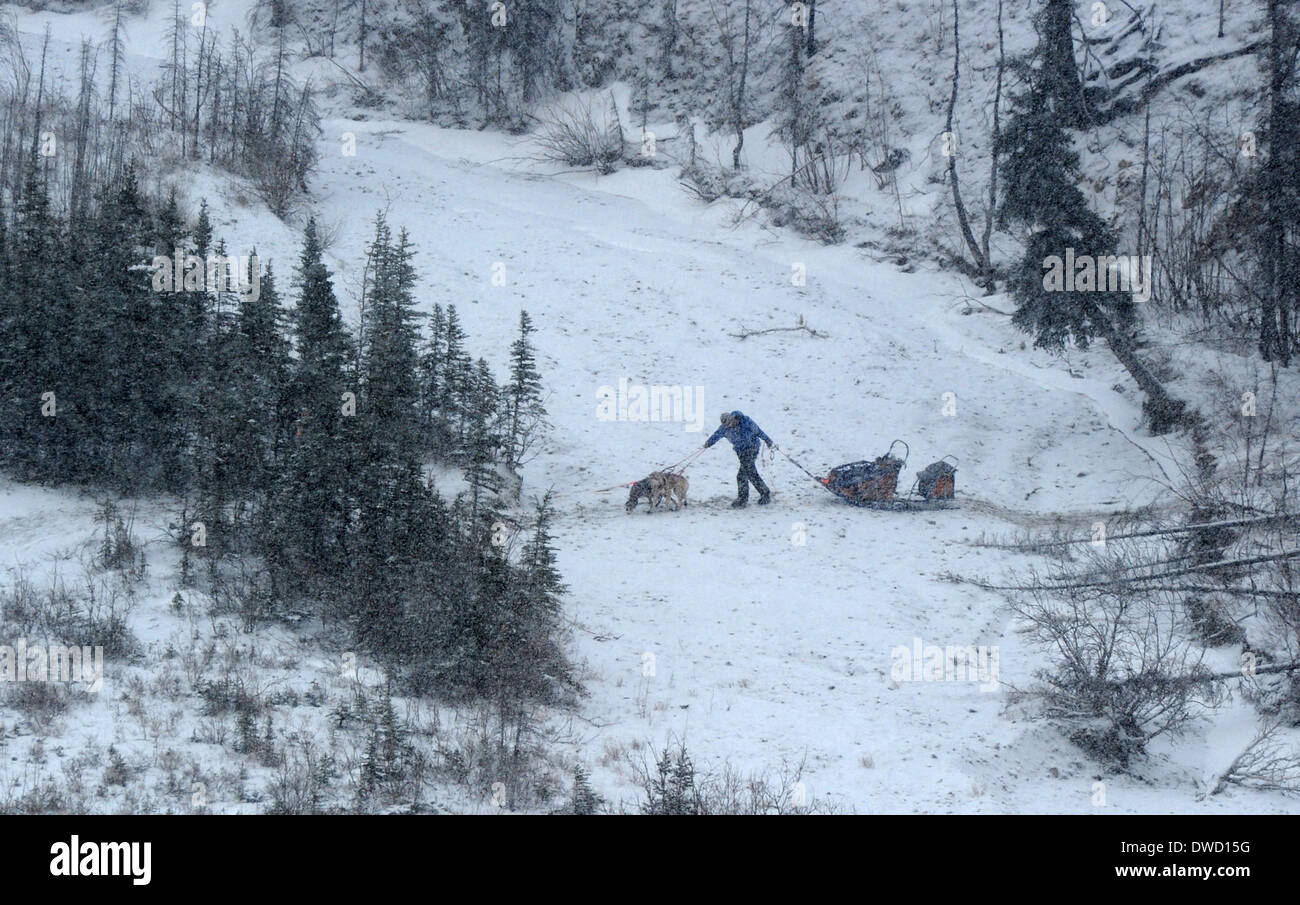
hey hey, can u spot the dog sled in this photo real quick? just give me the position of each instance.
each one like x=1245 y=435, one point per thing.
x=869 y=483
x=873 y=483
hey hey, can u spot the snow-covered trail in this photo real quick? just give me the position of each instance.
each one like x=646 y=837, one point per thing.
x=769 y=631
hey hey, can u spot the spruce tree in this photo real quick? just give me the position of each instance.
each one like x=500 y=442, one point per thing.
x=458 y=383
x=434 y=430
x=169 y=227
x=525 y=656
x=203 y=231
x=1039 y=169
x=153 y=343
x=312 y=510
x=538 y=671
x=35 y=312
x=389 y=357
x=523 y=395
x=389 y=482
x=1272 y=194
x=482 y=443
x=796 y=113
x=1057 y=66
x=216 y=447
x=261 y=363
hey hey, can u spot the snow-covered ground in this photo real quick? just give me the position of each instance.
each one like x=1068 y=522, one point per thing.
x=757 y=637
x=771 y=630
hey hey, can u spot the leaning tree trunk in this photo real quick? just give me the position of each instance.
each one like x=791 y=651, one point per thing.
x=991 y=283
x=739 y=109
x=1164 y=412
x=981 y=263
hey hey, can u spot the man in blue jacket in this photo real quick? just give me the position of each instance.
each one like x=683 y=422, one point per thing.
x=744 y=435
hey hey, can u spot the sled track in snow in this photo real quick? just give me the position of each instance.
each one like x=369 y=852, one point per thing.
x=1045 y=521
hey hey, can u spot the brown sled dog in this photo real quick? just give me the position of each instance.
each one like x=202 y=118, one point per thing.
x=658 y=487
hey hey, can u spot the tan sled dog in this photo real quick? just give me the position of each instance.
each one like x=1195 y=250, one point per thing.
x=664 y=485
x=658 y=487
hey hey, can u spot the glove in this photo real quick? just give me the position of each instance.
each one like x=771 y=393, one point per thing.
x=771 y=445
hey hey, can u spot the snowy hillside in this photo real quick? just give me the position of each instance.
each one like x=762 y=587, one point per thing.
x=762 y=639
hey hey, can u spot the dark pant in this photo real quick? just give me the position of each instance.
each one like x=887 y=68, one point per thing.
x=748 y=474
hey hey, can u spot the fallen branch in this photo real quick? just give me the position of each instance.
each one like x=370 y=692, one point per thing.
x=987 y=307
x=1137 y=579
x=1154 y=532
x=1125 y=105
x=1211 y=589
x=1263 y=765
x=1157 y=679
x=356 y=81
x=1109 y=569
x=799 y=325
